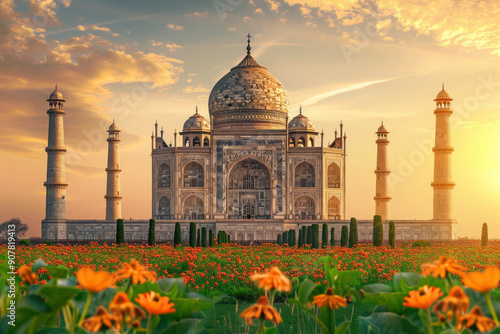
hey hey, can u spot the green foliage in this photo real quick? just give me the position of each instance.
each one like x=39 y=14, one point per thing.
x=279 y=241
x=48 y=242
x=378 y=231
x=309 y=235
x=315 y=236
x=392 y=234
x=285 y=238
x=210 y=238
x=300 y=241
x=177 y=235
x=292 y=240
x=353 y=232
x=120 y=232
x=484 y=235
x=20 y=229
x=332 y=236
x=304 y=235
x=24 y=242
x=324 y=236
x=198 y=239
x=421 y=243
x=203 y=236
x=192 y=234
x=151 y=233
x=344 y=236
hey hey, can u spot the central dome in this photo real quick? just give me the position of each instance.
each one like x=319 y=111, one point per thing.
x=248 y=97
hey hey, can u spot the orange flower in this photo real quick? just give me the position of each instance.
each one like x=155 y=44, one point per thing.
x=483 y=282
x=101 y=317
x=261 y=310
x=272 y=280
x=330 y=299
x=27 y=275
x=123 y=308
x=154 y=303
x=476 y=317
x=136 y=271
x=423 y=297
x=456 y=303
x=94 y=281
x=443 y=266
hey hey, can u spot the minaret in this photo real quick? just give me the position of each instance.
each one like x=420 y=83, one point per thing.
x=113 y=198
x=55 y=202
x=442 y=185
x=381 y=192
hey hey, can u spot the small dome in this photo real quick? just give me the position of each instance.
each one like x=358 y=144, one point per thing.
x=443 y=95
x=196 y=123
x=382 y=129
x=300 y=123
x=113 y=127
x=56 y=95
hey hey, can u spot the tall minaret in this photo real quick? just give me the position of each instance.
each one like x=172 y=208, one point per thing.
x=381 y=192
x=55 y=202
x=442 y=185
x=113 y=198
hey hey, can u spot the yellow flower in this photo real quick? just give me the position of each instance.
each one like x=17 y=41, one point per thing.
x=261 y=310
x=27 y=275
x=330 y=299
x=154 y=303
x=136 y=271
x=94 y=281
x=101 y=317
x=483 y=282
x=423 y=297
x=272 y=280
x=476 y=317
x=123 y=308
x=443 y=266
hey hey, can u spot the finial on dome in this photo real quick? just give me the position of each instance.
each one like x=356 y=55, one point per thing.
x=56 y=87
x=300 y=109
x=442 y=86
x=248 y=46
x=196 y=109
x=382 y=123
x=113 y=121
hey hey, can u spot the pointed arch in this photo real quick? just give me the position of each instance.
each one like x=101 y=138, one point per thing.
x=333 y=175
x=206 y=142
x=193 y=208
x=304 y=208
x=196 y=142
x=291 y=142
x=164 y=176
x=193 y=175
x=333 y=208
x=304 y=175
x=164 y=208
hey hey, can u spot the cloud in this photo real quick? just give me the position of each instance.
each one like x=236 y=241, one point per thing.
x=246 y=19
x=175 y=27
x=258 y=11
x=196 y=14
x=95 y=27
x=231 y=28
x=197 y=89
x=273 y=5
x=172 y=47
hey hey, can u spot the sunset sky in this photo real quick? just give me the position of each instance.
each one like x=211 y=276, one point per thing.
x=359 y=61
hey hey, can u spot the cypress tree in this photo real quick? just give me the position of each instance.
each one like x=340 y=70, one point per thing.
x=484 y=235
x=344 y=236
x=392 y=233
x=284 y=238
x=177 y=235
x=315 y=229
x=203 y=236
x=332 y=236
x=229 y=238
x=304 y=235
x=219 y=237
x=279 y=240
x=324 y=237
x=192 y=235
x=353 y=232
x=309 y=235
x=299 y=245
x=210 y=238
x=151 y=233
x=120 y=232
x=293 y=240
x=378 y=231
x=198 y=239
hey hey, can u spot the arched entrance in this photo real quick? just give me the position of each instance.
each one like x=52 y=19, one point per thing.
x=249 y=194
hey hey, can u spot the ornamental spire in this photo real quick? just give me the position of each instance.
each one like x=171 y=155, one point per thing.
x=248 y=46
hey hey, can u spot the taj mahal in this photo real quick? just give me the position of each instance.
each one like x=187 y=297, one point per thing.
x=253 y=168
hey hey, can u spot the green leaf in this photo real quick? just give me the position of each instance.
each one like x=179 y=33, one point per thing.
x=58 y=272
x=145 y=287
x=58 y=296
x=342 y=329
x=33 y=303
x=377 y=288
x=179 y=327
x=37 y=265
x=307 y=291
x=173 y=287
x=53 y=331
x=393 y=301
x=387 y=323
x=184 y=308
x=406 y=282
x=271 y=330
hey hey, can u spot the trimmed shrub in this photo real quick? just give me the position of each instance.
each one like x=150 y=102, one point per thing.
x=353 y=232
x=192 y=234
x=279 y=240
x=332 y=236
x=198 y=239
x=284 y=238
x=378 y=231
x=324 y=236
x=24 y=242
x=120 y=232
x=48 y=243
x=421 y=243
x=203 y=236
x=210 y=238
x=299 y=244
x=228 y=239
x=177 y=235
x=344 y=236
x=315 y=232
x=484 y=235
x=392 y=234
x=309 y=234
x=292 y=240
x=151 y=233
x=304 y=235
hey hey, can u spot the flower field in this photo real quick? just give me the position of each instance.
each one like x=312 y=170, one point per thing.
x=226 y=269
x=160 y=289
